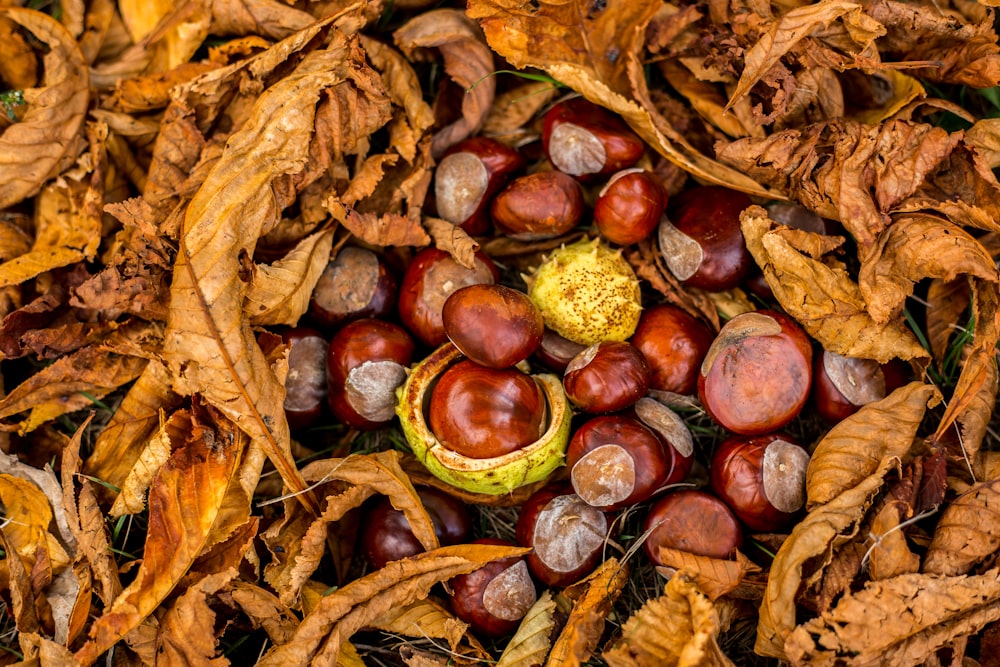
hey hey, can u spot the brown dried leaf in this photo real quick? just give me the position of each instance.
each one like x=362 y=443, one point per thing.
x=595 y=49
x=889 y=554
x=186 y=634
x=967 y=532
x=303 y=539
x=823 y=299
x=155 y=453
x=37 y=147
x=708 y=100
x=340 y=614
x=681 y=627
x=514 y=109
x=424 y=619
x=975 y=419
x=788 y=32
x=26 y=528
x=388 y=229
x=184 y=504
x=454 y=240
x=946 y=303
x=984 y=137
x=531 y=643
x=467 y=61
x=593 y=598
x=914 y=247
x=279 y=293
x=806 y=551
x=898 y=621
x=265 y=611
x=878 y=434
x=715 y=577
x=209 y=344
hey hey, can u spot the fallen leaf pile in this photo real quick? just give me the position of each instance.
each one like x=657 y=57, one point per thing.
x=175 y=176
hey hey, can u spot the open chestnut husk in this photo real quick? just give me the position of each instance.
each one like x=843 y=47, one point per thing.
x=494 y=598
x=757 y=375
x=494 y=475
x=693 y=521
x=567 y=535
x=762 y=479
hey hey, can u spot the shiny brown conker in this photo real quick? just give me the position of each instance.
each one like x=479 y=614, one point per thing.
x=538 y=206
x=357 y=283
x=431 y=277
x=674 y=344
x=493 y=325
x=842 y=385
x=494 y=598
x=757 y=375
x=555 y=352
x=385 y=532
x=365 y=363
x=566 y=534
x=762 y=479
x=701 y=240
x=693 y=521
x=629 y=207
x=606 y=377
x=468 y=177
x=583 y=139
x=305 y=385
x=483 y=412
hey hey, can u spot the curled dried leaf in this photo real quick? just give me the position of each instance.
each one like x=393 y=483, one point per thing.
x=531 y=643
x=967 y=532
x=713 y=576
x=594 y=597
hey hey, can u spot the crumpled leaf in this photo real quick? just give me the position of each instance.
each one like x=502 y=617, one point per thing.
x=898 y=621
x=593 y=598
x=279 y=293
x=967 y=532
x=914 y=247
x=595 y=49
x=427 y=619
x=823 y=299
x=530 y=644
x=467 y=60
x=264 y=610
x=878 y=433
x=340 y=614
x=714 y=577
x=27 y=514
x=302 y=538
x=984 y=136
x=184 y=505
x=156 y=452
x=36 y=148
x=186 y=634
x=889 y=554
x=797 y=24
x=679 y=628
x=209 y=346
x=806 y=551
x=454 y=240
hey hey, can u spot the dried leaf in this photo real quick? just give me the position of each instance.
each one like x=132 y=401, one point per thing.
x=279 y=293
x=787 y=32
x=715 y=577
x=898 y=621
x=265 y=611
x=679 y=628
x=454 y=240
x=975 y=419
x=809 y=546
x=514 y=109
x=874 y=436
x=947 y=302
x=889 y=555
x=156 y=452
x=595 y=49
x=423 y=619
x=184 y=503
x=340 y=614
x=967 y=532
x=594 y=598
x=467 y=61
x=530 y=644
x=26 y=527
x=984 y=136
x=36 y=148
x=186 y=634
x=823 y=299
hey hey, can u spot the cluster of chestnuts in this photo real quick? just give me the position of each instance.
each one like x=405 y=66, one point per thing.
x=568 y=379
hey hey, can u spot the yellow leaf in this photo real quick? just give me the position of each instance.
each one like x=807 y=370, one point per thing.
x=279 y=293
x=530 y=644
x=594 y=598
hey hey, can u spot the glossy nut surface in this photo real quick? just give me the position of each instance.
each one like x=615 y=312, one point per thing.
x=493 y=325
x=431 y=277
x=483 y=412
x=468 y=176
x=305 y=385
x=674 y=344
x=583 y=139
x=365 y=363
x=616 y=462
x=566 y=534
x=607 y=377
x=762 y=479
x=692 y=521
x=841 y=385
x=538 y=206
x=355 y=284
x=757 y=375
x=629 y=207
x=385 y=532
x=701 y=240
x=494 y=598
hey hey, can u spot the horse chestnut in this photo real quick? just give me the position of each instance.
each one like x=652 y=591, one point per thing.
x=762 y=479
x=630 y=206
x=356 y=283
x=305 y=386
x=607 y=377
x=841 y=385
x=583 y=139
x=692 y=521
x=538 y=206
x=494 y=598
x=757 y=375
x=468 y=176
x=493 y=325
x=674 y=344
